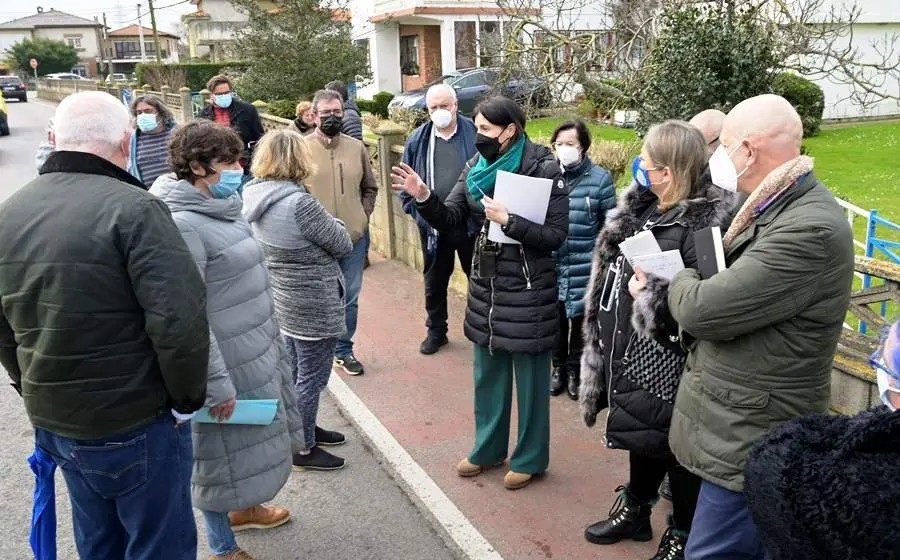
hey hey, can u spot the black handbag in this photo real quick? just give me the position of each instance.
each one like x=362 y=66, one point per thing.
x=654 y=367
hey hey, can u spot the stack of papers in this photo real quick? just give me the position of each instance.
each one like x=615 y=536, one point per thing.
x=255 y=413
x=642 y=251
x=527 y=197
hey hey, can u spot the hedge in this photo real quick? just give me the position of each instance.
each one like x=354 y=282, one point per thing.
x=284 y=108
x=195 y=74
x=378 y=106
x=805 y=96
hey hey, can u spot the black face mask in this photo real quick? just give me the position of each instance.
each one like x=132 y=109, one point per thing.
x=487 y=146
x=331 y=126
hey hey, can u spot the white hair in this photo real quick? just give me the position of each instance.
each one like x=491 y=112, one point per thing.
x=91 y=121
x=438 y=89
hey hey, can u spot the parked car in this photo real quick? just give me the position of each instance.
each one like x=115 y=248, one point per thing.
x=116 y=78
x=13 y=88
x=474 y=84
x=4 y=118
x=65 y=76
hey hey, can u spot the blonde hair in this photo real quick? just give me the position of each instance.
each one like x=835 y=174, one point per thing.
x=302 y=107
x=282 y=154
x=680 y=146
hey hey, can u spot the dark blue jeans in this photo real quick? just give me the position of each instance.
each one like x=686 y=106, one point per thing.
x=723 y=527
x=130 y=493
x=352 y=266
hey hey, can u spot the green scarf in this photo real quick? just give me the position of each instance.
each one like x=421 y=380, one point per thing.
x=482 y=177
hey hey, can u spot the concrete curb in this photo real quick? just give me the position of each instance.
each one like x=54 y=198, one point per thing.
x=458 y=533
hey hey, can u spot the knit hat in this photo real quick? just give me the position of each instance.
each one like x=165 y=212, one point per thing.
x=827 y=487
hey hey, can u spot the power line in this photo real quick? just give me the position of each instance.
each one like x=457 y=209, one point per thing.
x=135 y=19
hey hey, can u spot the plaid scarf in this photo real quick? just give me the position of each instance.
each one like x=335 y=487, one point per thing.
x=771 y=189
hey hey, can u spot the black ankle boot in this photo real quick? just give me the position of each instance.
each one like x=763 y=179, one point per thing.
x=558 y=380
x=672 y=545
x=628 y=519
x=574 y=382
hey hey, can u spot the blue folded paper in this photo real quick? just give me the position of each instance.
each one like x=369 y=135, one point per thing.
x=256 y=412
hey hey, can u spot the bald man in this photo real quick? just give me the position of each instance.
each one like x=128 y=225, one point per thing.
x=762 y=333
x=103 y=332
x=710 y=124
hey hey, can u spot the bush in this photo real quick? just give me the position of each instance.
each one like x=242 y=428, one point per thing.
x=587 y=109
x=284 y=108
x=605 y=95
x=195 y=74
x=613 y=156
x=365 y=105
x=807 y=97
x=380 y=103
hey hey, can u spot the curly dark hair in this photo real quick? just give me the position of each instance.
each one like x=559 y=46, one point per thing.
x=202 y=141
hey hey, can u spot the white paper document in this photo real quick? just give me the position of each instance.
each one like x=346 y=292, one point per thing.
x=665 y=264
x=642 y=243
x=527 y=197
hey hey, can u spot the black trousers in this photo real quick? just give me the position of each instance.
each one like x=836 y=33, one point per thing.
x=569 y=342
x=439 y=269
x=647 y=473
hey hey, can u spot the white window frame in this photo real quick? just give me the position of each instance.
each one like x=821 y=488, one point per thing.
x=74 y=41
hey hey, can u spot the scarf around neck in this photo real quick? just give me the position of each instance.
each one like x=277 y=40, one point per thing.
x=776 y=183
x=481 y=178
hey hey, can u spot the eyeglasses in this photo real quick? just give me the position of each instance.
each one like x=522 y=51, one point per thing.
x=326 y=114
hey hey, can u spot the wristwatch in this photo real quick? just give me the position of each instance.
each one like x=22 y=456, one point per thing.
x=509 y=224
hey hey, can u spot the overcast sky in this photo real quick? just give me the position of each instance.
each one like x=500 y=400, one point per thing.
x=119 y=13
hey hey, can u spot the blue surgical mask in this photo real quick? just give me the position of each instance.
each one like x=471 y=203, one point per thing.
x=640 y=174
x=147 y=122
x=230 y=181
x=223 y=100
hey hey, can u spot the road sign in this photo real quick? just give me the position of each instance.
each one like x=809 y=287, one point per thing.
x=33 y=63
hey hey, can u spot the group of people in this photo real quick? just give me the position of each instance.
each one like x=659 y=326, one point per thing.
x=209 y=264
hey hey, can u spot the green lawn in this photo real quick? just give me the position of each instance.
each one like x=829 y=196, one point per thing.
x=543 y=128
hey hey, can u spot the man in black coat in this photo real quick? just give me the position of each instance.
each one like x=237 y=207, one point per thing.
x=225 y=108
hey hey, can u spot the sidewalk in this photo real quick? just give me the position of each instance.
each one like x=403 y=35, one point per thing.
x=426 y=404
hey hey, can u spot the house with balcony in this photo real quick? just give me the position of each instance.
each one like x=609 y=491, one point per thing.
x=123 y=48
x=412 y=43
x=84 y=35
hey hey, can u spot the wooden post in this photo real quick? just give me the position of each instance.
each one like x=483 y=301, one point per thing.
x=164 y=90
x=389 y=135
x=187 y=112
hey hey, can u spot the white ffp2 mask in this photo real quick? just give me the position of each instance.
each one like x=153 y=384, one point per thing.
x=568 y=155
x=441 y=118
x=722 y=170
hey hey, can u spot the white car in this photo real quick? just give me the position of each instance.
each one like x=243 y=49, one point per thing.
x=65 y=76
x=116 y=78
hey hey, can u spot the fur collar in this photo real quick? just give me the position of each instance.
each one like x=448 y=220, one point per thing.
x=711 y=206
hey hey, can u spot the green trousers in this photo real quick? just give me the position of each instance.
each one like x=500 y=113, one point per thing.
x=493 y=407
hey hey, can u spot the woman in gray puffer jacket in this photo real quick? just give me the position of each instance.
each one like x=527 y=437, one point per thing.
x=236 y=467
x=302 y=243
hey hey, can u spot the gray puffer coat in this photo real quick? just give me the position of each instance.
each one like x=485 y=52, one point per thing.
x=302 y=243
x=237 y=466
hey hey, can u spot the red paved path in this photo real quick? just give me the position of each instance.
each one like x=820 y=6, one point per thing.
x=426 y=403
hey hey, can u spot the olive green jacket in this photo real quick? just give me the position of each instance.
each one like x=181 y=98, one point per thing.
x=762 y=334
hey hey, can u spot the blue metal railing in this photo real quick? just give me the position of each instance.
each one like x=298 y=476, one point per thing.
x=887 y=247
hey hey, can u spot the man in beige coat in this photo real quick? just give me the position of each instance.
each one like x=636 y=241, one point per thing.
x=345 y=184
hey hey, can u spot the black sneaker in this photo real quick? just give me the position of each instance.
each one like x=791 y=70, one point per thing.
x=317 y=460
x=350 y=365
x=329 y=437
x=433 y=343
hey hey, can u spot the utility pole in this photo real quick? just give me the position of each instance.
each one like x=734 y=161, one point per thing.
x=141 y=34
x=107 y=60
x=155 y=34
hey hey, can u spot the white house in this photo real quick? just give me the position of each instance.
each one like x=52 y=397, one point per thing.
x=123 y=47
x=211 y=28
x=84 y=35
x=879 y=20
x=412 y=43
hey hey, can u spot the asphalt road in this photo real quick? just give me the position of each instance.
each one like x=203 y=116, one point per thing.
x=358 y=513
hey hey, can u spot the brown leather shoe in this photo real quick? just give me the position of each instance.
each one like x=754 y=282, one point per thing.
x=515 y=481
x=258 y=517
x=238 y=554
x=466 y=468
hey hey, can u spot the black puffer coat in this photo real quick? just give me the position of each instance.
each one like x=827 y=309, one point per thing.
x=638 y=419
x=515 y=311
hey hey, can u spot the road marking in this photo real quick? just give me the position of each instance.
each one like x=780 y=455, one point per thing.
x=428 y=495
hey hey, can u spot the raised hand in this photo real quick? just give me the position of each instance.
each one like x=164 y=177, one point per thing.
x=403 y=178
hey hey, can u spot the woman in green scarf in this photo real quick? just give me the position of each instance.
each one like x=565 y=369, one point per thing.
x=511 y=314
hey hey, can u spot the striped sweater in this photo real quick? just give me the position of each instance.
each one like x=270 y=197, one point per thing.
x=302 y=244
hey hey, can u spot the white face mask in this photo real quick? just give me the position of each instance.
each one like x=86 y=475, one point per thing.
x=722 y=170
x=441 y=118
x=886 y=385
x=567 y=154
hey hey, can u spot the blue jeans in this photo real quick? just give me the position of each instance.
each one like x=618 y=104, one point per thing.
x=311 y=364
x=723 y=527
x=218 y=533
x=130 y=493
x=352 y=266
